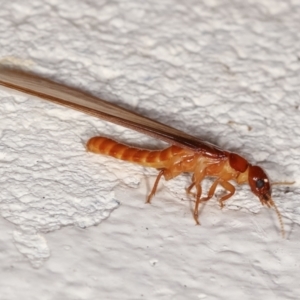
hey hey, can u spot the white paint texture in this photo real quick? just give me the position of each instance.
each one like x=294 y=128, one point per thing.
x=197 y=66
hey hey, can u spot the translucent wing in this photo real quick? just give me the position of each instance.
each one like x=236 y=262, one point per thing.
x=71 y=97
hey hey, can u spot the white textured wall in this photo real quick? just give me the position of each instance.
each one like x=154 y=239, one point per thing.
x=215 y=69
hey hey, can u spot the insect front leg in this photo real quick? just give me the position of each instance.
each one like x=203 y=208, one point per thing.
x=228 y=187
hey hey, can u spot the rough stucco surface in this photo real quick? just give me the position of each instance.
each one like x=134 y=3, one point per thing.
x=227 y=72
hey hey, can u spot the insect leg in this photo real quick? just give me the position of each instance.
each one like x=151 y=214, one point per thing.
x=197 y=178
x=197 y=195
x=230 y=188
x=188 y=190
x=155 y=185
x=226 y=185
x=211 y=191
x=198 y=200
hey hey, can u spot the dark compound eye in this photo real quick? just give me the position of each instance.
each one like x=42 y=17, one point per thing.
x=259 y=183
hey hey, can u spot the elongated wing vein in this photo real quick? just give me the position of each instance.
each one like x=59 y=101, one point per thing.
x=71 y=97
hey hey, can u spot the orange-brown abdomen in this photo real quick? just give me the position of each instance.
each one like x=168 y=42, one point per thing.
x=148 y=158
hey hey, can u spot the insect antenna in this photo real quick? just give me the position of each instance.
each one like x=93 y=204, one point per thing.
x=279 y=217
x=283 y=183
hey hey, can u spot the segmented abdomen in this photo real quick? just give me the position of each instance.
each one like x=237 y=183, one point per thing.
x=155 y=159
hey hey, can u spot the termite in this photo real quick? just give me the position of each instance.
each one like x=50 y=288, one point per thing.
x=186 y=153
